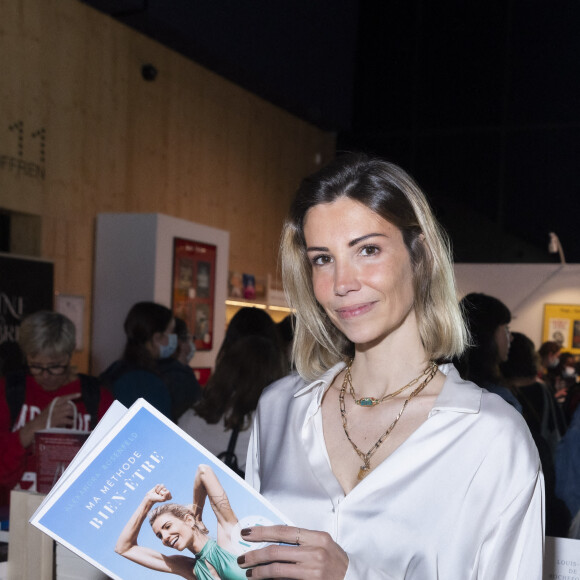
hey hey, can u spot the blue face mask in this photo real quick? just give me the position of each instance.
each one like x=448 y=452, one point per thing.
x=166 y=350
x=191 y=350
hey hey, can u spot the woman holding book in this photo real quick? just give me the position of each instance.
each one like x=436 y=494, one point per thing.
x=389 y=464
x=181 y=527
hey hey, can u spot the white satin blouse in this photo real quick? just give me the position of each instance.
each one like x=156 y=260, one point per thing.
x=461 y=499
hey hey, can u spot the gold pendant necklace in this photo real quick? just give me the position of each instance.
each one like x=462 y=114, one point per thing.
x=366 y=457
x=371 y=401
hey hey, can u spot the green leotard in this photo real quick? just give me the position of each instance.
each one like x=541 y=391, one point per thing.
x=225 y=564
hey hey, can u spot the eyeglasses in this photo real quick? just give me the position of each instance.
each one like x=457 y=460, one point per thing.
x=54 y=370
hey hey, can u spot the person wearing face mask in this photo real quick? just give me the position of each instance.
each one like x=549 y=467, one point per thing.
x=568 y=367
x=179 y=377
x=149 y=328
x=549 y=353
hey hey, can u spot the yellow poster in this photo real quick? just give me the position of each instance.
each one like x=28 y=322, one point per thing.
x=562 y=325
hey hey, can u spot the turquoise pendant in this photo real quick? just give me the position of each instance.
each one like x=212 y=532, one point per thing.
x=367 y=402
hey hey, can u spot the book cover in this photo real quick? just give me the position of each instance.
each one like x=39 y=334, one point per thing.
x=100 y=507
x=56 y=448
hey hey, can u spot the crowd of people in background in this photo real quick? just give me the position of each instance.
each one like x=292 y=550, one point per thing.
x=40 y=387
x=541 y=383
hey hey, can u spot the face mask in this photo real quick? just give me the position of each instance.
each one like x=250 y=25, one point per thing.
x=553 y=363
x=166 y=350
x=569 y=371
x=191 y=351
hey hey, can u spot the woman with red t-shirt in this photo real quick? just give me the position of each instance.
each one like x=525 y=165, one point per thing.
x=43 y=396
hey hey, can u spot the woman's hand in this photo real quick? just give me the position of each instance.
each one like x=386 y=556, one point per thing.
x=62 y=412
x=62 y=416
x=158 y=494
x=315 y=554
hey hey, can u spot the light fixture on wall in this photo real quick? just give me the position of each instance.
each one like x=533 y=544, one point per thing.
x=555 y=247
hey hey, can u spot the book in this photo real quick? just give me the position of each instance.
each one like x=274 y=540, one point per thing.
x=131 y=456
x=56 y=448
x=561 y=559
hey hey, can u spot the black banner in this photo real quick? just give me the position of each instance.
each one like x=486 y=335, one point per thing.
x=26 y=285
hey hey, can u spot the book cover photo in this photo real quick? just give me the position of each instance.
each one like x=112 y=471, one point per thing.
x=146 y=500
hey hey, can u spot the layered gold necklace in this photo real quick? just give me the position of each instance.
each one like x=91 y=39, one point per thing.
x=371 y=401
x=429 y=373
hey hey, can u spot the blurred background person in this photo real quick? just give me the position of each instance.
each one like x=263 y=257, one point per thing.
x=520 y=373
x=567 y=380
x=179 y=377
x=549 y=353
x=568 y=472
x=563 y=377
x=149 y=328
x=43 y=395
x=249 y=359
x=285 y=330
x=488 y=321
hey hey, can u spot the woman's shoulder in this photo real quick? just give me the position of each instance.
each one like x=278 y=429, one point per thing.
x=494 y=432
x=290 y=383
x=506 y=435
x=173 y=366
x=122 y=371
x=488 y=413
x=285 y=388
x=295 y=387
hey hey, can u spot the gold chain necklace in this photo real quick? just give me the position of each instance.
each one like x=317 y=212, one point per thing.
x=371 y=401
x=366 y=457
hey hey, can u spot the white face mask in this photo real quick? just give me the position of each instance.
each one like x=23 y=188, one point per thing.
x=166 y=350
x=569 y=371
x=191 y=351
x=553 y=363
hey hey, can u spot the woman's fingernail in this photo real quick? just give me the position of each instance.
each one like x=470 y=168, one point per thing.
x=246 y=531
x=241 y=559
x=249 y=573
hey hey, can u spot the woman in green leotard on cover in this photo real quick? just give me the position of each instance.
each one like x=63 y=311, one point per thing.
x=181 y=527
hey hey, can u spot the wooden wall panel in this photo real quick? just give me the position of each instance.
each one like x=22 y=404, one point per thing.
x=189 y=144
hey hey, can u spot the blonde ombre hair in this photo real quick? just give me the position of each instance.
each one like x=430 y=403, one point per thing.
x=391 y=193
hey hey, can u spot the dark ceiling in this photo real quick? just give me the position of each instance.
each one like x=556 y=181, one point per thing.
x=478 y=100
x=298 y=54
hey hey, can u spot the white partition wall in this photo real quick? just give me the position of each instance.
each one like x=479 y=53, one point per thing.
x=524 y=289
x=134 y=262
